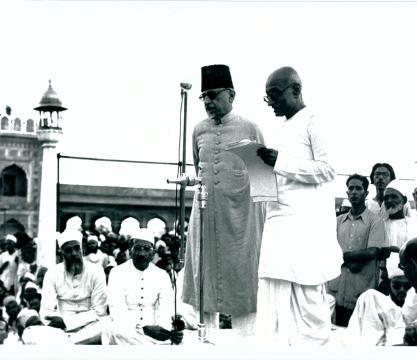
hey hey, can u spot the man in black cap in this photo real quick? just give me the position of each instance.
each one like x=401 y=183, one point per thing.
x=233 y=223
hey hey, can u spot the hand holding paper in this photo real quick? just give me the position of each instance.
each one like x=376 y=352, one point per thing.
x=263 y=183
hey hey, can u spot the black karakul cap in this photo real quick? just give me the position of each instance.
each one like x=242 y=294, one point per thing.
x=215 y=76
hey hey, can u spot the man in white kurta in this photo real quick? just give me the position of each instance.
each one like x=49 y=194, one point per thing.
x=379 y=319
x=141 y=299
x=74 y=293
x=299 y=250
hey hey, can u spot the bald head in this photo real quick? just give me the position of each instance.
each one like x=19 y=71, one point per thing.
x=282 y=78
x=283 y=90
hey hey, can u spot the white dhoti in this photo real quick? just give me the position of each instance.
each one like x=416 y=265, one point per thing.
x=376 y=320
x=292 y=314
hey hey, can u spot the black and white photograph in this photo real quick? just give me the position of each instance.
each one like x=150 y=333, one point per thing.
x=210 y=179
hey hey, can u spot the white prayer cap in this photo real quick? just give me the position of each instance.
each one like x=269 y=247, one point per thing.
x=392 y=266
x=160 y=243
x=103 y=222
x=128 y=226
x=157 y=226
x=8 y=299
x=92 y=237
x=11 y=238
x=31 y=285
x=74 y=223
x=144 y=234
x=30 y=276
x=397 y=185
x=69 y=235
x=25 y=314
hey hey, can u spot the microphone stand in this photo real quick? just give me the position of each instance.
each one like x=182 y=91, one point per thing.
x=184 y=94
x=202 y=196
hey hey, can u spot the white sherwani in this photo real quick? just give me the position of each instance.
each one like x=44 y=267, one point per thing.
x=80 y=300
x=299 y=244
x=136 y=299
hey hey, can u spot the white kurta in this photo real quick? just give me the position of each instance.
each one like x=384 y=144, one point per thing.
x=398 y=232
x=136 y=299
x=377 y=320
x=80 y=300
x=299 y=242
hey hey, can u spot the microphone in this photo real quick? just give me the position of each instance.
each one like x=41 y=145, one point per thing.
x=185 y=86
x=185 y=180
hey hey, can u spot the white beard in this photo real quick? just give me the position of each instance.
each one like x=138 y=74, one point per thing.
x=395 y=209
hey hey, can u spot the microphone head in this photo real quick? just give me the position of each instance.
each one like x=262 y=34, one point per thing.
x=186 y=86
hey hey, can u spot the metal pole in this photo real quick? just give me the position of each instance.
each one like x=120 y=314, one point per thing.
x=182 y=188
x=202 y=199
x=58 y=200
x=4 y=222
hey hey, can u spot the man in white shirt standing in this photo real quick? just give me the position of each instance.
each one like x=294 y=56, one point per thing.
x=74 y=293
x=141 y=299
x=299 y=251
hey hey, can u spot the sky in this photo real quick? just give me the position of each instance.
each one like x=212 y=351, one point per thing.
x=117 y=67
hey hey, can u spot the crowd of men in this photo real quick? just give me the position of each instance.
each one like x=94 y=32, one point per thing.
x=286 y=270
x=78 y=301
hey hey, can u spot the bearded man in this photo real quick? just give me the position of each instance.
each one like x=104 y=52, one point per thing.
x=74 y=293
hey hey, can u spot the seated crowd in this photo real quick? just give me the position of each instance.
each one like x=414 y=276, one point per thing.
x=72 y=303
x=120 y=289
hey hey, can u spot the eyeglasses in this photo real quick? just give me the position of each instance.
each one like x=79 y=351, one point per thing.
x=398 y=286
x=69 y=249
x=138 y=248
x=383 y=174
x=275 y=94
x=211 y=94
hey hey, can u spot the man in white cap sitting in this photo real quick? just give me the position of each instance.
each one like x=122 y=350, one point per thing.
x=8 y=264
x=382 y=320
x=140 y=298
x=74 y=293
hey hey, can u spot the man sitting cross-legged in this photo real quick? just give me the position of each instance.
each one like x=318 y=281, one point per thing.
x=381 y=320
x=74 y=293
x=140 y=298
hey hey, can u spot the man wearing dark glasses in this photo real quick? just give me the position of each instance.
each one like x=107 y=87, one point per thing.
x=300 y=227
x=233 y=223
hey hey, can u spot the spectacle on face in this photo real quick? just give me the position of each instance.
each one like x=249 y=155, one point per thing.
x=274 y=93
x=400 y=285
x=211 y=94
x=138 y=248
x=69 y=249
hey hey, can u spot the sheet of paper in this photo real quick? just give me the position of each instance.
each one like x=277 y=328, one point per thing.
x=263 y=182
